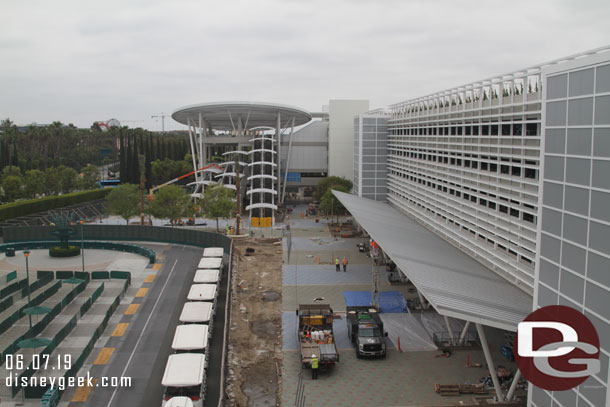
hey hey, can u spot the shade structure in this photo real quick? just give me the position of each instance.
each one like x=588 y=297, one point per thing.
x=33 y=343
x=455 y=284
x=37 y=310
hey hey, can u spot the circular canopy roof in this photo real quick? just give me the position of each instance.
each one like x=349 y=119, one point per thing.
x=226 y=115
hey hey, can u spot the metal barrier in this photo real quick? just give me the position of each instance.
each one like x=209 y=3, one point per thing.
x=45 y=244
x=444 y=339
x=113 y=233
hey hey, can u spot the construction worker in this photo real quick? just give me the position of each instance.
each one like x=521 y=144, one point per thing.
x=344 y=264
x=314 y=367
x=227 y=230
x=337 y=264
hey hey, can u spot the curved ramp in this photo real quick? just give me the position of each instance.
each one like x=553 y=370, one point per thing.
x=413 y=335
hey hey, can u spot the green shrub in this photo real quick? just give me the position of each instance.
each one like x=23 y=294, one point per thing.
x=22 y=208
x=59 y=251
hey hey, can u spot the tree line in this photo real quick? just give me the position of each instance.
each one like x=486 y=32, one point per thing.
x=171 y=202
x=163 y=159
x=41 y=147
x=47 y=160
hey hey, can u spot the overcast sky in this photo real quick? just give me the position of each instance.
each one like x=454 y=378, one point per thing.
x=81 y=61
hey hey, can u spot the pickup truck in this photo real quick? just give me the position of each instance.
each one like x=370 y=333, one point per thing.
x=365 y=330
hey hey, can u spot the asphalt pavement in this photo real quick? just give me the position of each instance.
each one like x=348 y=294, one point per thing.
x=142 y=352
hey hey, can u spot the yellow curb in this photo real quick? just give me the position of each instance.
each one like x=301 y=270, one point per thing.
x=83 y=392
x=120 y=329
x=132 y=309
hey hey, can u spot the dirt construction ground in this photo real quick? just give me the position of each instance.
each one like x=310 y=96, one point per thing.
x=255 y=335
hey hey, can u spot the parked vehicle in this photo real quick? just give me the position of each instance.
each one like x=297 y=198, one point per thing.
x=191 y=338
x=184 y=376
x=365 y=330
x=179 y=402
x=315 y=335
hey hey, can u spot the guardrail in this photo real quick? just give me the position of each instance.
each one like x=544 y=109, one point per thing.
x=443 y=339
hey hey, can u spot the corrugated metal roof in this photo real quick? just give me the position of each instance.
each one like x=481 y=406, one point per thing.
x=455 y=284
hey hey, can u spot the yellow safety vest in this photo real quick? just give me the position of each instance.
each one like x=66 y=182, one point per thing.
x=314 y=363
x=337 y=261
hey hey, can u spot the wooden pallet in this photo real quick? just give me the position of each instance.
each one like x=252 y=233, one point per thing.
x=457 y=389
x=472 y=389
x=447 y=389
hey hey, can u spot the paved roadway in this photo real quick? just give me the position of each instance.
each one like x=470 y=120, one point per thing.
x=143 y=351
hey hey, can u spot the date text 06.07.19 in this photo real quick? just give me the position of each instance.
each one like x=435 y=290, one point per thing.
x=38 y=362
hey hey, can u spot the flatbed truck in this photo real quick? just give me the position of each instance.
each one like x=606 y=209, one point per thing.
x=315 y=335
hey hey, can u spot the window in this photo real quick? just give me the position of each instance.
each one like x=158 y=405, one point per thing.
x=530 y=173
x=517 y=128
x=531 y=129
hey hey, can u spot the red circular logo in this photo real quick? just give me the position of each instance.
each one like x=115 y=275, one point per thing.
x=557 y=348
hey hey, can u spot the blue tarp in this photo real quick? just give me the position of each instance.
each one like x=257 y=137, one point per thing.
x=389 y=301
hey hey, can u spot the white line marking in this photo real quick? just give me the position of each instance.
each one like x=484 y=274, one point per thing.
x=143 y=330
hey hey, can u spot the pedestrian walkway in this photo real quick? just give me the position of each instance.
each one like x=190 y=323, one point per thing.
x=401 y=379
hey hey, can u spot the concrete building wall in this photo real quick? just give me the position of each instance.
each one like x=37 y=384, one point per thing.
x=573 y=266
x=341 y=136
x=309 y=148
x=309 y=155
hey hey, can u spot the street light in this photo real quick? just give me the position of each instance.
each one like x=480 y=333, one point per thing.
x=82 y=244
x=26 y=253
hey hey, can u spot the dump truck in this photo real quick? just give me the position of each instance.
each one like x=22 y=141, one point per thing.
x=365 y=330
x=315 y=335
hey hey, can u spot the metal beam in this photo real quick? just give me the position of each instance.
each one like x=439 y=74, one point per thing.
x=490 y=362
x=422 y=300
x=464 y=331
x=279 y=153
x=513 y=385
x=449 y=329
x=287 y=161
x=191 y=136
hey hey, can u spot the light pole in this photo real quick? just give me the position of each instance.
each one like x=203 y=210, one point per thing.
x=26 y=253
x=82 y=244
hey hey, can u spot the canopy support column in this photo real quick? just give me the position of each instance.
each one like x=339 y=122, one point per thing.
x=422 y=300
x=449 y=329
x=490 y=362
x=278 y=136
x=287 y=162
x=192 y=135
x=464 y=331
x=513 y=385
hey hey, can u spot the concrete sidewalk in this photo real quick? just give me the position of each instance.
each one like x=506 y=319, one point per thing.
x=402 y=378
